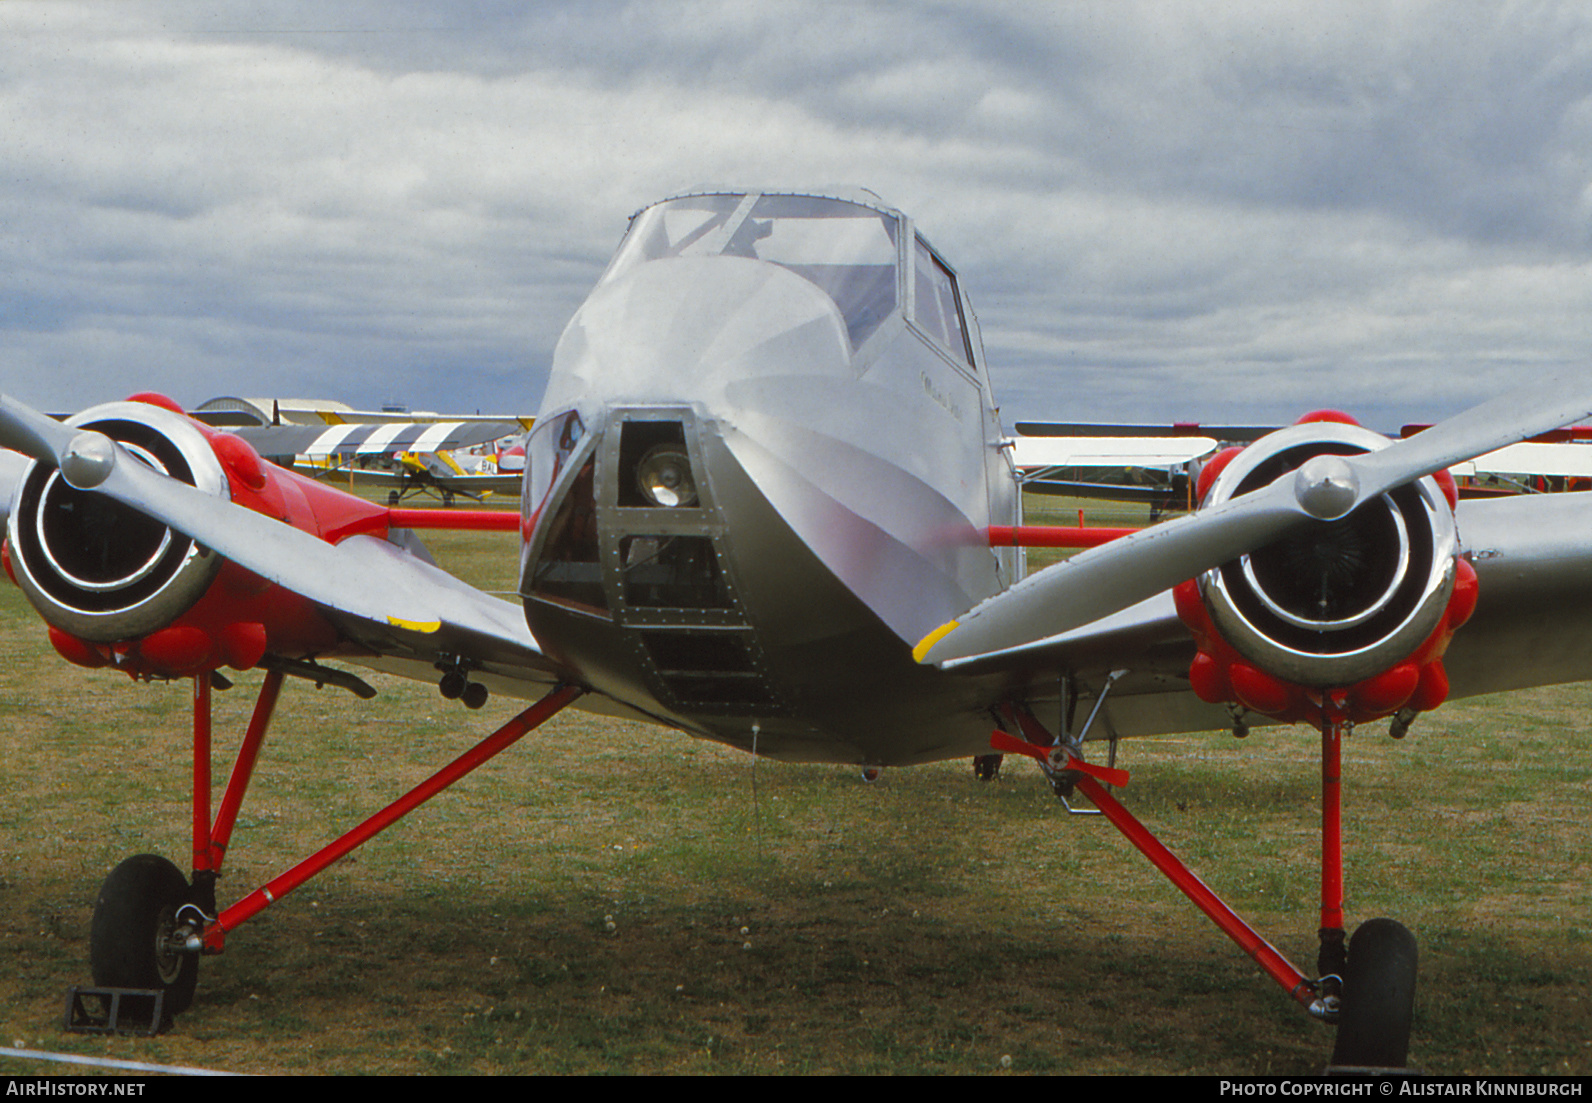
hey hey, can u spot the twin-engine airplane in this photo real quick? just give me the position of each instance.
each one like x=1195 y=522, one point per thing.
x=768 y=502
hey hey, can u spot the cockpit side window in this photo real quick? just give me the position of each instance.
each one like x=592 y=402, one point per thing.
x=566 y=568
x=936 y=311
x=553 y=440
x=846 y=249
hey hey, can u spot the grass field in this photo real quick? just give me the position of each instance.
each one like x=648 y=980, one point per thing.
x=608 y=897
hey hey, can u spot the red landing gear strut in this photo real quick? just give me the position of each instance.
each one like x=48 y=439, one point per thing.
x=1367 y=988
x=150 y=924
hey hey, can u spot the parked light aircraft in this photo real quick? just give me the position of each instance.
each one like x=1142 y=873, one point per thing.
x=413 y=452
x=1160 y=465
x=1154 y=464
x=1156 y=470
x=757 y=508
x=436 y=474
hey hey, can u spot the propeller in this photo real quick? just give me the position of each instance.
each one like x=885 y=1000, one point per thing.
x=1110 y=578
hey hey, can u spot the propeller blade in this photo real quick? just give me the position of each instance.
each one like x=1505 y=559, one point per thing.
x=1498 y=423
x=1110 y=578
x=23 y=429
x=1105 y=579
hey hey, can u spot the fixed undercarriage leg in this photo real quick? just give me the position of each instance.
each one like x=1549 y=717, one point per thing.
x=1063 y=764
x=1279 y=968
x=147 y=915
x=1367 y=982
x=1332 y=958
x=488 y=748
x=151 y=923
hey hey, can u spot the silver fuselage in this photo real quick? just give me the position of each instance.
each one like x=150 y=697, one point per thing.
x=821 y=374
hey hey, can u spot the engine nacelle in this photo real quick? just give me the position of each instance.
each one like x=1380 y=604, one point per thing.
x=1341 y=620
x=99 y=570
x=121 y=589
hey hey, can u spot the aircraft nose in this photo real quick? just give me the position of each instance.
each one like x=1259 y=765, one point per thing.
x=695 y=330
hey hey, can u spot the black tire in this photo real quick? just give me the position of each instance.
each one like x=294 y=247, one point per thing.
x=392 y=498
x=1378 y=997
x=987 y=767
x=134 y=914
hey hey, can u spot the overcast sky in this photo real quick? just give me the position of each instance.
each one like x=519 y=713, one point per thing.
x=1211 y=211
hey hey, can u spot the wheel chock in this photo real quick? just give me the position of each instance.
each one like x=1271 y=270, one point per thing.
x=116 y=1011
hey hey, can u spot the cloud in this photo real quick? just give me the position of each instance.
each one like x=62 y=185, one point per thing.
x=1192 y=210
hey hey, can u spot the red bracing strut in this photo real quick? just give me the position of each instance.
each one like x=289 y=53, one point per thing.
x=210 y=841
x=1053 y=536
x=1092 y=780
x=1279 y=968
x=201 y=772
x=260 y=899
x=1332 y=958
x=243 y=768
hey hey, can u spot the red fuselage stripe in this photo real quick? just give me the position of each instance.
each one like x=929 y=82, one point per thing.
x=473 y=520
x=1052 y=536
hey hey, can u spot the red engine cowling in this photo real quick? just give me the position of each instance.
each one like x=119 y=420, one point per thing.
x=120 y=589
x=1340 y=621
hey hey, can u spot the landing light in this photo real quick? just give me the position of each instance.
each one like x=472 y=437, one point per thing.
x=664 y=476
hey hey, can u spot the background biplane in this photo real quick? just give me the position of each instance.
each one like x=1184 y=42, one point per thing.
x=442 y=456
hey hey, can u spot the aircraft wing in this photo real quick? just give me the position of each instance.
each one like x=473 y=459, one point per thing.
x=1328 y=488
x=1146 y=645
x=351 y=440
x=1128 y=468
x=1532 y=458
x=1532 y=624
x=1226 y=434
x=1038 y=453
x=382 y=597
x=469 y=624
x=1509 y=566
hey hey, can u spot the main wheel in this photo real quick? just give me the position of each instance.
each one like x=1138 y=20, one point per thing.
x=134 y=918
x=1378 y=997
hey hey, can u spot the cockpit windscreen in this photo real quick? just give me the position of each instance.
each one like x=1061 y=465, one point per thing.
x=847 y=250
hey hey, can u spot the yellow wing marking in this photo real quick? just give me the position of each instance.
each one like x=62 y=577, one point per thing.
x=426 y=627
x=931 y=639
